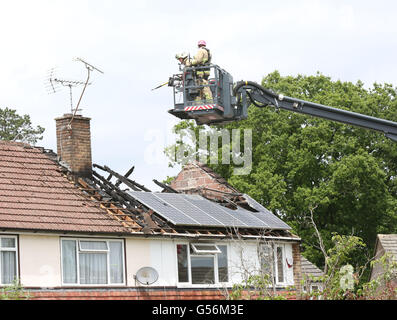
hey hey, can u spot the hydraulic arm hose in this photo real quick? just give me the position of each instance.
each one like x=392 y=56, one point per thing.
x=258 y=87
x=241 y=84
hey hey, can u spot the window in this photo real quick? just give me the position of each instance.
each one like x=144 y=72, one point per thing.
x=92 y=261
x=183 y=264
x=204 y=248
x=279 y=264
x=8 y=259
x=272 y=259
x=202 y=263
x=203 y=269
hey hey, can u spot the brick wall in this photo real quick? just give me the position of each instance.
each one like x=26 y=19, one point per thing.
x=135 y=294
x=132 y=294
x=195 y=176
x=74 y=143
x=296 y=255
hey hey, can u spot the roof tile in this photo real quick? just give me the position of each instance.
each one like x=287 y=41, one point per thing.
x=35 y=195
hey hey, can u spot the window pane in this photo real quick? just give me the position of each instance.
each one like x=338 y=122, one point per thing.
x=202 y=270
x=93 y=245
x=69 y=264
x=280 y=265
x=93 y=268
x=116 y=262
x=266 y=259
x=183 y=274
x=208 y=248
x=8 y=267
x=222 y=264
x=8 y=242
x=205 y=247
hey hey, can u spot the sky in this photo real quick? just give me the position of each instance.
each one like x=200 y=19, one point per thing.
x=134 y=43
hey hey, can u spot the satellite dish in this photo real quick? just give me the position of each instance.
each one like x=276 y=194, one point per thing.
x=147 y=275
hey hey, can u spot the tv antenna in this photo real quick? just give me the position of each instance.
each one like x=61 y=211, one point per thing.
x=54 y=83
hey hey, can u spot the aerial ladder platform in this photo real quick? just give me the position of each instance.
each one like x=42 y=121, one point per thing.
x=230 y=102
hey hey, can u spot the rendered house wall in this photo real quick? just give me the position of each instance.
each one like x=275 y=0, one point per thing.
x=40 y=261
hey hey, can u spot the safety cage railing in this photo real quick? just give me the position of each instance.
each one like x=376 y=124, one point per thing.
x=189 y=87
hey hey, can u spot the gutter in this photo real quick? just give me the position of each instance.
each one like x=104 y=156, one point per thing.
x=142 y=234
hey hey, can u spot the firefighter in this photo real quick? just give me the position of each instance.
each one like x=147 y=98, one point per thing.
x=202 y=58
x=182 y=58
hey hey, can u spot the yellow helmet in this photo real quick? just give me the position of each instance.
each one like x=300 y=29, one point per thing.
x=182 y=55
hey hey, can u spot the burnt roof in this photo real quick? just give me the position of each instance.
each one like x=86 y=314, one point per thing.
x=38 y=193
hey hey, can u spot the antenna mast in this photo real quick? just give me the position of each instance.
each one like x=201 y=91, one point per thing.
x=53 y=83
x=89 y=68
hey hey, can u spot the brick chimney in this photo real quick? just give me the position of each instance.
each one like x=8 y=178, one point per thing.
x=196 y=176
x=74 y=143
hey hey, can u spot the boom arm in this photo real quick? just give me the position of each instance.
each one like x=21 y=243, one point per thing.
x=262 y=97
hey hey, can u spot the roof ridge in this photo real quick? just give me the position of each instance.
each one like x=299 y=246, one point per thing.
x=210 y=172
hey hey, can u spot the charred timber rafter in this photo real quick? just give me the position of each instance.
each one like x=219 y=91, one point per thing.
x=165 y=187
x=130 y=183
x=126 y=175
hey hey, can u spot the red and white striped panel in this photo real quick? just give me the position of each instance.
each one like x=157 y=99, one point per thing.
x=203 y=107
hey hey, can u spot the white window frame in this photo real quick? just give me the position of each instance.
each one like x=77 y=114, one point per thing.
x=276 y=271
x=273 y=251
x=214 y=258
x=15 y=249
x=93 y=250
x=195 y=248
x=213 y=254
x=78 y=249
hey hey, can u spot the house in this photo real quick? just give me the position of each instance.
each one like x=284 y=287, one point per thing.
x=69 y=232
x=311 y=275
x=386 y=244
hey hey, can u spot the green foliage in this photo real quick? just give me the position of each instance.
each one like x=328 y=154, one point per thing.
x=341 y=281
x=255 y=287
x=339 y=256
x=382 y=287
x=300 y=161
x=16 y=127
x=14 y=291
x=168 y=180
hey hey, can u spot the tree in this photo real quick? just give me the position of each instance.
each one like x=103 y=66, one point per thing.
x=341 y=280
x=298 y=161
x=16 y=127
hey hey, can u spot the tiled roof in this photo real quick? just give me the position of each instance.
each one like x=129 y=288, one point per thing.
x=389 y=243
x=36 y=195
x=309 y=268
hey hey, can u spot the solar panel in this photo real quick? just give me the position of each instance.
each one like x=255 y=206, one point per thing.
x=194 y=210
x=182 y=203
x=162 y=208
x=266 y=215
x=250 y=220
x=216 y=211
x=254 y=204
